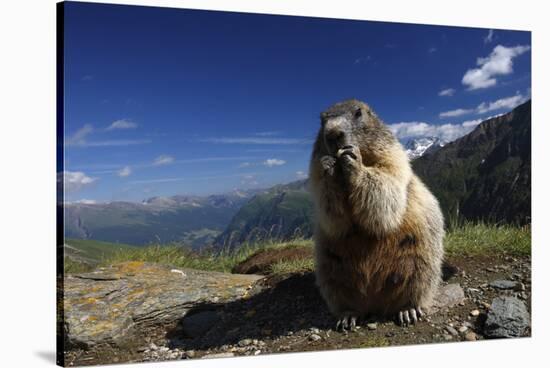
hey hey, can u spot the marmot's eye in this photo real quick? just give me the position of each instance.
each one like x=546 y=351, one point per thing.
x=358 y=113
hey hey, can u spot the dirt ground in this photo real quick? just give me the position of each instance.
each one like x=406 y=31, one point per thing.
x=287 y=314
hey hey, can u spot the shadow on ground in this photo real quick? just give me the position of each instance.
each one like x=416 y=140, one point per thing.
x=286 y=306
x=282 y=306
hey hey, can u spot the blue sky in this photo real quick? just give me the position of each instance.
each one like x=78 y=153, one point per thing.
x=165 y=101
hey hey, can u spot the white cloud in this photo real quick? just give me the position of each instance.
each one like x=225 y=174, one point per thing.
x=267 y=134
x=249 y=181
x=74 y=181
x=124 y=172
x=363 y=60
x=122 y=124
x=472 y=123
x=489 y=37
x=455 y=113
x=114 y=143
x=503 y=103
x=270 y=162
x=301 y=175
x=255 y=140
x=79 y=137
x=499 y=62
x=163 y=160
x=87 y=201
x=244 y=164
x=448 y=132
x=185 y=178
x=447 y=92
x=431 y=50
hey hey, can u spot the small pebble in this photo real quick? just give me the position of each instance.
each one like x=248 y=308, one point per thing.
x=470 y=336
x=463 y=329
x=244 y=342
x=315 y=337
x=451 y=330
x=474 y=313
x=372 y=326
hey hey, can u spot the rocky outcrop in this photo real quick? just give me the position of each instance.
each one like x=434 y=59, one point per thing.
x=112 y=304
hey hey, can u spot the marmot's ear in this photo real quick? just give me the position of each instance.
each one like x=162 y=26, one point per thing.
x=358 y=113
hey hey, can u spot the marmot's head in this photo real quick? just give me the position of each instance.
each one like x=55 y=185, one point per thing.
x=352 y=122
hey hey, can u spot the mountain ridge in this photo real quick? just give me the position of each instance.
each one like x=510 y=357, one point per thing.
x=418 y=147
x=485 y=175
x=190 y=219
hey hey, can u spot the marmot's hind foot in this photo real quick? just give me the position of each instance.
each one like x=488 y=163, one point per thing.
x=347 y=321
x=409 y=316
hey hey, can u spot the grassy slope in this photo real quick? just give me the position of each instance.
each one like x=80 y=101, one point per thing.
x=183 y=257
x=95 y=249
x=83 y=255
x=466 y=239
x=283 y=213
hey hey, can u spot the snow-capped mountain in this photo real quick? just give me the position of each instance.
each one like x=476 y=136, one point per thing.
x=416 y=147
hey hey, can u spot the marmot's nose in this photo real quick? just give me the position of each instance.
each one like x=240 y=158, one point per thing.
x=347 y=147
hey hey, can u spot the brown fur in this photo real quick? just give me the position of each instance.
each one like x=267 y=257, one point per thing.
x=378 y=239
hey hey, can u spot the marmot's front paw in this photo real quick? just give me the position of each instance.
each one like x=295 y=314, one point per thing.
x=409 y=316
x=350 y=156
x=328 y=163
x=347 y=322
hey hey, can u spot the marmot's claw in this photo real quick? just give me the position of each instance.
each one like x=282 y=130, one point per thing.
x=328 y=162
x=347 y=322
x=409 y=316
x=348 y=151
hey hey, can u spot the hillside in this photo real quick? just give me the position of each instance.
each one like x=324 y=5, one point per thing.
x=281 y=213
x=192 y=220
x=485 y=175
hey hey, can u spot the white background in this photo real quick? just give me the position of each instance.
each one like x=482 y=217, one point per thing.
x=27 y=179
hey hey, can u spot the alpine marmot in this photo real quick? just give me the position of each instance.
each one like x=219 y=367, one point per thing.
x=379 y=231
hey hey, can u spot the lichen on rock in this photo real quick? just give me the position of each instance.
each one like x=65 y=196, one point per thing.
x=111 y=304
